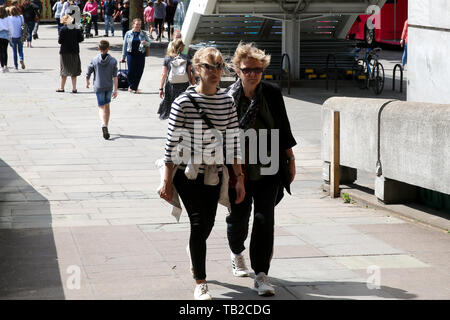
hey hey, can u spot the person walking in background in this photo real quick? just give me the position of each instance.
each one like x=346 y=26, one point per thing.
x=201 y=192
x=134 y=47
x=260 y=106
x=160 y=14
x=109 y=7
x=404 y=43
x=171 y=8
x=30 y=14
x=124 y=12
x=104 y=68
x=38 y=3
x=6 y=31
x=15 y=3
x=58 y=9
x=149 y=15
x=91 y=6
x=69 y=53
x=16 y=38
x=175 y=78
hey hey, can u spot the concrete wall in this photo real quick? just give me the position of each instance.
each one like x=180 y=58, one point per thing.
x=428 y=51
x=414 y=139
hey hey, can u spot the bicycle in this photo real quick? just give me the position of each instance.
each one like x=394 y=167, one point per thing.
x=369 y=70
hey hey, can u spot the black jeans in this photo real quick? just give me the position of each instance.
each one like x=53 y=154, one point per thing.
x=4 y=52
x=263 y=193
x=95 y=22
x=159 y=25
x=201 y=204
x=125 y=28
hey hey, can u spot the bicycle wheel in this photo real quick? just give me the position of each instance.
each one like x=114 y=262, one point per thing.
x=378 y=78
x=361 y=73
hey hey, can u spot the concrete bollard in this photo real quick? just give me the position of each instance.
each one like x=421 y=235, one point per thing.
x=406 y=144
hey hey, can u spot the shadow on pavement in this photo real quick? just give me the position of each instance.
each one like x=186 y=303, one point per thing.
x=28 y=264
x=318 y=290
x=122 y=136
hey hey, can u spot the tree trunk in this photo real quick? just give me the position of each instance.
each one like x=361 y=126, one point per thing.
x=136 y=11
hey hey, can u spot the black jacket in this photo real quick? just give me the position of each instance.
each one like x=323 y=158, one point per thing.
x=29 y=12
x=275 y=102
x=69 y=40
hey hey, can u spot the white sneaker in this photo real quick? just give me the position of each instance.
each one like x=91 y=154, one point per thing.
x=201 y=292
x=262 y=285
x=190 y=259
x=238 y=264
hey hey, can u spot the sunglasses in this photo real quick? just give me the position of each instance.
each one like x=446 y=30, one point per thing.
x=247 y=71
x=217 y=66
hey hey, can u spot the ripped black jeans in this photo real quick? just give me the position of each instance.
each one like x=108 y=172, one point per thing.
x=262 y=194
x=201 y=203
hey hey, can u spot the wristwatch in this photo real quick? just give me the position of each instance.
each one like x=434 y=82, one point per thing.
x=291 y=158
x=240 y=174
x=160 y=89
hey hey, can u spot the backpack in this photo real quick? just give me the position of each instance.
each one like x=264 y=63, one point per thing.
x=178 y=70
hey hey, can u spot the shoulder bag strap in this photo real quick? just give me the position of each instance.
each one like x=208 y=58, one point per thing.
x=202 y=114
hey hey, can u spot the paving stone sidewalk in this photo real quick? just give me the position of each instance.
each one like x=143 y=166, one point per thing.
x=78 y=210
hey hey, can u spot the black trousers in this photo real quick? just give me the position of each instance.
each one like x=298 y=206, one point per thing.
x=4 y=52
x=262 y=194
x=201 y=204
x=159 y=25
x=94 y=20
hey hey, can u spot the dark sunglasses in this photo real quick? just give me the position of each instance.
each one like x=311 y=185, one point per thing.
x=247 y=71
x=217 y=66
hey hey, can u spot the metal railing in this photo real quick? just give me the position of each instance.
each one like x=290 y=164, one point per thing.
x=399 y=66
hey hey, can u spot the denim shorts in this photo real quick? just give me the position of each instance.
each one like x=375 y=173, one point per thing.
x=103 y=97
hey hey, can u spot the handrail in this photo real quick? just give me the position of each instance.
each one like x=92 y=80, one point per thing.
x=335 y=71
x=401 y=77
x=285 y=55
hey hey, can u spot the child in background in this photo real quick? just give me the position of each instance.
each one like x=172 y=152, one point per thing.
x=105 y=78
x=86 y=24
x=149 y=18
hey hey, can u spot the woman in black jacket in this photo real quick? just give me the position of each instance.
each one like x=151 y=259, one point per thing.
x=260 y=109
x=69 y=39
x=30 y=12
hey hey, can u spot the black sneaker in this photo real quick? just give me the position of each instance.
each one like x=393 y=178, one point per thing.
x=105 y=133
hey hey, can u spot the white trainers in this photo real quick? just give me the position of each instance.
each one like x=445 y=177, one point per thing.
x=238 y=264
x=190 y=260
x=201 y=292
x=262 y=285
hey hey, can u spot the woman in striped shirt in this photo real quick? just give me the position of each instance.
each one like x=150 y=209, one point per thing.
x=200 y=197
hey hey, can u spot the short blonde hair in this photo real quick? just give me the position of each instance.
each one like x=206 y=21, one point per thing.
x=210 y=55
x=250 y=51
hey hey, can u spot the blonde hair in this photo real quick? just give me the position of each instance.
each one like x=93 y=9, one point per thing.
x=175 y=48
x=136 y=20
x=210 y=54
x=249 y=51
x=67 y=19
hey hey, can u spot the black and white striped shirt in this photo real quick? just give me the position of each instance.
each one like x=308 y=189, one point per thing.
x=185 y=121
